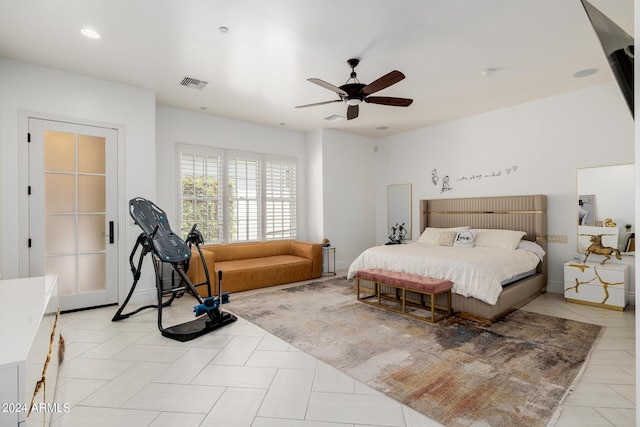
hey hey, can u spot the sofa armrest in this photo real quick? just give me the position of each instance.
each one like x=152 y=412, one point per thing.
x=196 y=270
x=312 y=251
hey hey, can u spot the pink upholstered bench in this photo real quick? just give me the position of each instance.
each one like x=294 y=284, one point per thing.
x=392 y=286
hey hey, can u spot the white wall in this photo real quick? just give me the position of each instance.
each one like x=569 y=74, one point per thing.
x=540 y=144
x=179 y=126
x=30 y=88
x=349 y=204
x=315 y=188
x=636 y=77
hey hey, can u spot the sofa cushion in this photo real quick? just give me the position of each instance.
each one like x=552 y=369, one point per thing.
x=258 y=263
x=240 y=275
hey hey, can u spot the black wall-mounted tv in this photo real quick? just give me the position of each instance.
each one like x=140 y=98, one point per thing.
x=618 y=46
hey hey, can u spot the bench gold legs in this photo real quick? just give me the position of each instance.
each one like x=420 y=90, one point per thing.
x=394 y=298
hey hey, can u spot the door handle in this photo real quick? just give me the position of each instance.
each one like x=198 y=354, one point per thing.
x=111 y=236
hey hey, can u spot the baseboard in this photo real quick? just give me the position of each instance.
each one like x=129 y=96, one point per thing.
x=144 y=297
x=343 y=265
x=555 y=287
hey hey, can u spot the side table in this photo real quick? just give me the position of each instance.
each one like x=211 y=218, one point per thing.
x=595 y=284
x=328 y=261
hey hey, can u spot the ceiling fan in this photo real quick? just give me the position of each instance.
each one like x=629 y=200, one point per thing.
x=353 y=92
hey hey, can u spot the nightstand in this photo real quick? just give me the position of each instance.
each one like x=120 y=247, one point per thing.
x=595 y=284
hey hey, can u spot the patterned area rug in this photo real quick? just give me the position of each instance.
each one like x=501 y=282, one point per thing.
x=457 y=372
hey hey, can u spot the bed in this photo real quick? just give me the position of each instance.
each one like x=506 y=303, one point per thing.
x=525 y=213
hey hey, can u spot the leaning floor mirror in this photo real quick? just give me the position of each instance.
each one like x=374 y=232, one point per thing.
x=399 y=212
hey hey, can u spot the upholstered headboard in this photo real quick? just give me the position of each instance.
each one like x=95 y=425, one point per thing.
x=524 y=213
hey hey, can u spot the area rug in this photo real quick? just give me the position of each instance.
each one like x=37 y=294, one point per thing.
x=457 y=372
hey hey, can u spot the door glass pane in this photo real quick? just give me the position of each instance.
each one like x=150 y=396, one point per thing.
x=91 y=193
x=91 y=154
x=92 y=272
x=59 y=151
x=65 y=268
x=92 y=228
x=60 y=193
x=60 y=235
x=75 y=221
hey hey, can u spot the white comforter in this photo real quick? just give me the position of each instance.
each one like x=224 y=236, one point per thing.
x=475 y=272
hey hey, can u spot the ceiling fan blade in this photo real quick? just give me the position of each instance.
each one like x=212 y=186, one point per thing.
x=387 y=100
x=319 y=103
x=383 y=82
x=327 y=86
x=352 y=112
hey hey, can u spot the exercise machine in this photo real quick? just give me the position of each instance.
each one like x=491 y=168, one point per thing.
x=166 y=247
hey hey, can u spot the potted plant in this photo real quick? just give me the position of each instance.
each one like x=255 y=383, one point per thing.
x=627 y=227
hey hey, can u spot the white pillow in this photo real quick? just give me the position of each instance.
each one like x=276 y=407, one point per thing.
x=498 y=239
x=527 y=245
x=465 y=239
x=431 y=235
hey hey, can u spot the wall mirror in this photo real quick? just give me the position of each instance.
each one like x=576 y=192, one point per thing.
x=606 y=192
x=399 y=210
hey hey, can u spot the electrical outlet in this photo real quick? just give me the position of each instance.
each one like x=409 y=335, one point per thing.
x=557 y=238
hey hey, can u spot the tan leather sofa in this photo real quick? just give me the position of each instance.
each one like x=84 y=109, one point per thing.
x=255 y=265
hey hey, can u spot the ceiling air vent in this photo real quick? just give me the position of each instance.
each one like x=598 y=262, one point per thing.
x=334 y=118
x=193 y=83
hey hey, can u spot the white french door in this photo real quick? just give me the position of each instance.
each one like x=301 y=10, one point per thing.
x=73 y=210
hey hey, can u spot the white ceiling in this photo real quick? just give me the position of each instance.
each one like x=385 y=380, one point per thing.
x=257 y=71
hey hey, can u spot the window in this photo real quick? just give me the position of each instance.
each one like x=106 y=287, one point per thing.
x=244 y=199
x=201 y=198
x=236 y=196
x=280 y=211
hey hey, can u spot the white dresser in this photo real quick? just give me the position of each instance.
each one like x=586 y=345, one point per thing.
x=29 y=352
x=595 y=284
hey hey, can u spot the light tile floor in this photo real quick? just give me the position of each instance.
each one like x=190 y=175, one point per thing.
x=605 y=395
x=126 y=374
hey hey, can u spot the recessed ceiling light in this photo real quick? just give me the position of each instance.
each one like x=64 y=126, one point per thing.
x=92 y=34
x=203 y=107
x=382 y=128
x=586 y=72
x=223 y=30
x=489 y=71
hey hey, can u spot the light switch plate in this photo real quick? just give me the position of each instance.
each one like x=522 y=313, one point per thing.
x=557 y=238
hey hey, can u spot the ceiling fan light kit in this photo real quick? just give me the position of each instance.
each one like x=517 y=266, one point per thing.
x=353 y=93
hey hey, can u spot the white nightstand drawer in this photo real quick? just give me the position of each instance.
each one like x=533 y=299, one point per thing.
x=596 y=284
